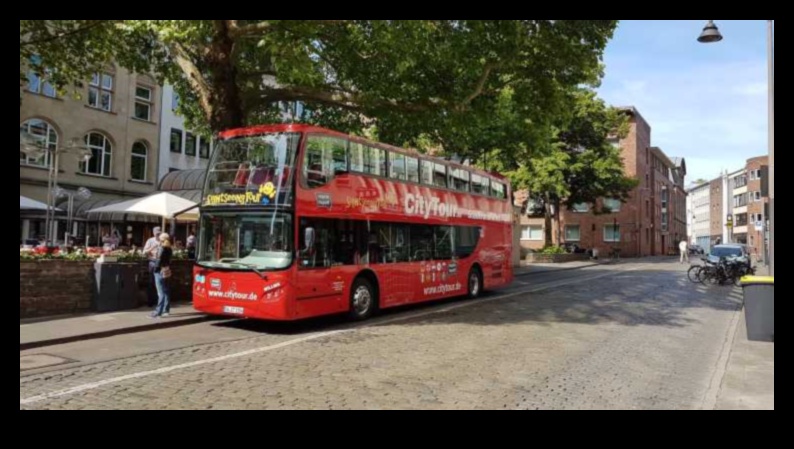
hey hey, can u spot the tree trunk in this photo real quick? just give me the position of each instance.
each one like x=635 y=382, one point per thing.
x=547 y=222
x=557 y=222
x=226 y=109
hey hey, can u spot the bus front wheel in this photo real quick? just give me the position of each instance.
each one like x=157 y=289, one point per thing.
x=363 y=299
x=474 y=282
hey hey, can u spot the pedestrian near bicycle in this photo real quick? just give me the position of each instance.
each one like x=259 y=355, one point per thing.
x=683 y=247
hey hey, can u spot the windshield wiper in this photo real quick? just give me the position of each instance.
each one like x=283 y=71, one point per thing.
x=252 y=267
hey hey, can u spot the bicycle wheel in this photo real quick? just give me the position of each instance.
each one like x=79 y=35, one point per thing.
x=693 y=272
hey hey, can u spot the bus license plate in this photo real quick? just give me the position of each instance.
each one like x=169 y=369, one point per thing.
x=233 y=310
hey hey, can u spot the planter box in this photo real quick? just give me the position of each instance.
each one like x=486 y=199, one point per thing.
x=555 y=258
x=56 y=287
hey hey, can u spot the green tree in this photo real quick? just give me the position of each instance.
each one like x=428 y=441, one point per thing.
x=579 y=164
x=471 y=86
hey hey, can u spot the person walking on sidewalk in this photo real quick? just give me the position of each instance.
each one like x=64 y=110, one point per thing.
x=683 y=247
x=162 y=271
x=150 y=251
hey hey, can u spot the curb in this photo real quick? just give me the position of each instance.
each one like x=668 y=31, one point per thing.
x=109 y=333
x=528 y=273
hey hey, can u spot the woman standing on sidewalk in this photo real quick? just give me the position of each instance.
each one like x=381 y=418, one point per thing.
x=162 y=271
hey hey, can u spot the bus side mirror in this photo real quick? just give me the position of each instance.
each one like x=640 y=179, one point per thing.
x=308 y=238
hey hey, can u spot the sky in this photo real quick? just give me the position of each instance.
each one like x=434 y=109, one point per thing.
x=706 y=103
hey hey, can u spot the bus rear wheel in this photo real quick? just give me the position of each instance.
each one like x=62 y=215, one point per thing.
x=474 y=283
x=363 y=300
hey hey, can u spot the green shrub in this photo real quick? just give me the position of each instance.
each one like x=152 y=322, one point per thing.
x=553 y=250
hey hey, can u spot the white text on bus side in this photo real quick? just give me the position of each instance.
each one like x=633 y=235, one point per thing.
x=425 y=206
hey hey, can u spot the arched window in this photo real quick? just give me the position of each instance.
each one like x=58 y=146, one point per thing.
x=138 y=161
x=100 y=147
x=42 y=129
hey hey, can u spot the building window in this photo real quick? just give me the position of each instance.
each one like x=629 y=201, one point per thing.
x=580 y=207
x=143 y=103
x=572 y=233
x=611 y=233
x=138 y=162
x=612 y=204
x=190 y=144
x=757 y=195
x=100 y=147
x=532 y=232
x=758 y=174
x=49 y=140
x=204 y=148
x=100 y=91
x=174 y=101
x=752 y=175
x=37 y=84
x=176 y=140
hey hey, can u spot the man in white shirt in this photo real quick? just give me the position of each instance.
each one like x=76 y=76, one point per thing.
x=150 y=251
x=683 y=247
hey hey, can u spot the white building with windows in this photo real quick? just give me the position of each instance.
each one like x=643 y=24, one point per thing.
x=180 y=148
x=698 y=205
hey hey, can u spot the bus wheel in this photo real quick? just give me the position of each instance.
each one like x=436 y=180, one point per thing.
x=474 y=282
x=362 y=299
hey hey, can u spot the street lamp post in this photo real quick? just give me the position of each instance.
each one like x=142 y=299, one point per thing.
x=82 y=193
x=711 y=34
x=33 y=146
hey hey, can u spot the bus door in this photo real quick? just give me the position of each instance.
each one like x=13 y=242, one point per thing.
x=317 y=279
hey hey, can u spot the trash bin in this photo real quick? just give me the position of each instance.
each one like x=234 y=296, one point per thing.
x=759 y=307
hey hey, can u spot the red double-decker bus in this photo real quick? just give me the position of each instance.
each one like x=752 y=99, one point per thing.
x=298 y=221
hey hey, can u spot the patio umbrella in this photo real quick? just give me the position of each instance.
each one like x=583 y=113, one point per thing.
x=162 y=204
x=27 y=203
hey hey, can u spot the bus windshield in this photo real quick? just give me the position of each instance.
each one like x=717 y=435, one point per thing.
x=257 y=241
x=252 y=170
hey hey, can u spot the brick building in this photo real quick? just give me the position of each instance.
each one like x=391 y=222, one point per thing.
x=651 y=222
x=757 y=169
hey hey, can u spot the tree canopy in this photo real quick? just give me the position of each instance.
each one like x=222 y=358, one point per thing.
x=581 y=164
x=471 y=86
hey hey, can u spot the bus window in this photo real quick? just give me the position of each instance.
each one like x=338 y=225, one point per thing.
x=439 y=175
x=466 y=238
x=397 y=166
x=324 y=156
x=375 y=160
x=357 y=157
x=427 y=173
x=479 y=184
x=442 y=242
x=421 y=242
x=459 y=179
x=412 y=168
x=498 y=190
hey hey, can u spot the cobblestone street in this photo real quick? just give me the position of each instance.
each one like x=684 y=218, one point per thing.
x=628 y=336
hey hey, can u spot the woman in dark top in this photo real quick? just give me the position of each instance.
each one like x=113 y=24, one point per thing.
x=162 y=271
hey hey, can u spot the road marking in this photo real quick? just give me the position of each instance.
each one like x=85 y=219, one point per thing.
x=167 y=369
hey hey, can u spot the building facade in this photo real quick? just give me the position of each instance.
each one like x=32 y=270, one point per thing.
x=757 y=170
x=650 y=222
x=180 y=148
x=699 y=215
x=116 y=119
x=716 y=209
x=736 y=214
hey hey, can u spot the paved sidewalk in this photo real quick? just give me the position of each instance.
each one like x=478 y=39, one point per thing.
x=34 y=333
x=749 y=381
